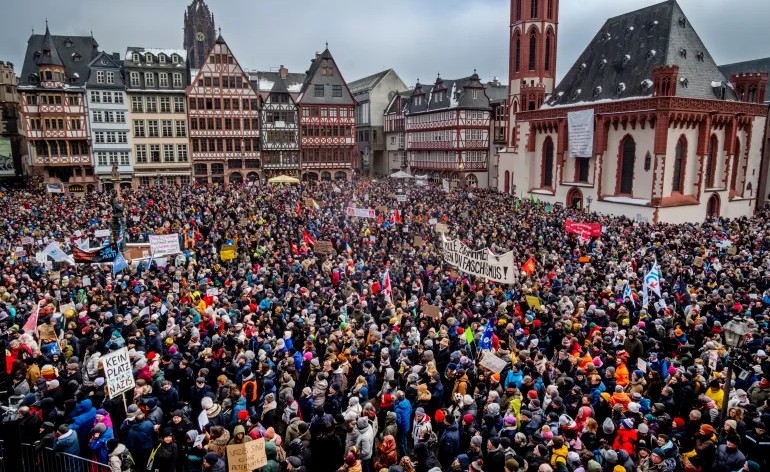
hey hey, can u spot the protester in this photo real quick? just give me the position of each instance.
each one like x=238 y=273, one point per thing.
x=350 y=343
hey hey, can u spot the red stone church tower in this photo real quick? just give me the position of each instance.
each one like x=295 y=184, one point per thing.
x=532 y=62
x=199 y=33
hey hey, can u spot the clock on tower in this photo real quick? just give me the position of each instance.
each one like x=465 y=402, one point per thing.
x=200 y=36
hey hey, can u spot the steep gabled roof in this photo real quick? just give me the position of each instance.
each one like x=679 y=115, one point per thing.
x=271 y=82
x=106 y=61
x=49 y=56
x=392 y=107
x=457 y=94
x=369 y=82
x=757 y=65
x=623 y=54
x=72 y=52
x=314 y=77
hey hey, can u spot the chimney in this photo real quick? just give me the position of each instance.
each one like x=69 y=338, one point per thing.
x=284 y=72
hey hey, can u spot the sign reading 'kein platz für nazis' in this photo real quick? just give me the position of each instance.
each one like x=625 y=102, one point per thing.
x=117 y=372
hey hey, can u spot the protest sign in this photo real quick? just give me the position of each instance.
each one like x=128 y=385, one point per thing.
x=418 y=242
x=492 y=362
x=533 y=302
x=227 y=253
x=581 y=133
x=27 y=241
x=361 y=212
x=441 y=228
x=323 y=247
x=641 y=365
x=401 y=198
x=481 y=263
x=164 y=244
x=212 y=292
x=102 y=233
x=54 y=252
x=247 y=456
x=117 y=372
x=431 y=310
x=432 y=221
x=445 y=185
x=593 y=230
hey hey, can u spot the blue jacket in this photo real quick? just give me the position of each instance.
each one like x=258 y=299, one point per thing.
x=239 y=406
x=596 y=393
x=85 y=414
x=449 y=445
x=139 y=438
x=403 y=410
x=67 y=443
x=99 y=446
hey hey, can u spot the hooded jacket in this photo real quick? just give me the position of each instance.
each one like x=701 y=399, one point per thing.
x=85 y=414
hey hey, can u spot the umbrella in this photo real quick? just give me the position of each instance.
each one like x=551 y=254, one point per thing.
x=283 y=179
x=400 y=175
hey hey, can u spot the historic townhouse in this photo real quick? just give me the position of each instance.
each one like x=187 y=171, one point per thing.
x=447 y=131
x=53 y=109
x=223 y=112
x=395 y=138
x=156 y=83
x=658 y=132
x=108 y=119
x=279 y=120
x=10 y=140
x=327 y=122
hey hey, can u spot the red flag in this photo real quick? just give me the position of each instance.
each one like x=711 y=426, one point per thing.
x=530 y=266
x=31 y=325
x=294 y=249
x=397 y=217
x=299 y=209
x=308 y=238
x=379 y=219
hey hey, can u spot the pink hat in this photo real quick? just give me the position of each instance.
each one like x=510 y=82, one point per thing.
x=308 y=355
x=597 y=362
x=672 y=370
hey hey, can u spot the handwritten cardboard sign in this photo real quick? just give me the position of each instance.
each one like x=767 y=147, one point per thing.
x=117 y=372
x=431 y=310
x=492 y=362
x=323 y=247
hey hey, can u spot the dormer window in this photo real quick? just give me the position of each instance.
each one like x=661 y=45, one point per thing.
x=603 y=64
x=135 y=57
x=683 y=53
x=598 y=91
x=162 y=58
x=626 y=59
x=418 y=100
x=475 y=94
x=68 y=43
x=576 y=94
x=621 y=88
x=699 y=56
x=174 y=59
x=148 y=58
x=684 y=81
x=76 y=57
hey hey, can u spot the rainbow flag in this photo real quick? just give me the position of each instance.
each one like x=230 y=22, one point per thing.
x=347 y=249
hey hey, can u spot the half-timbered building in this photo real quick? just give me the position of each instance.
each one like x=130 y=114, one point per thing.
x=53 y=109
x=327 y=122
x=155 y=84
x=278 y=92
x=447 y=131
x=395 y=138
x=658 y=132
x=223 y=112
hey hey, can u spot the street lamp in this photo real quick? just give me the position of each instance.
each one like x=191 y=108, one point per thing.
x=735 y=334
x=513 y=187
x=590 y=200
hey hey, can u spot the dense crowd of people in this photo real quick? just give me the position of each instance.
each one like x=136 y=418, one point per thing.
x=340 y=362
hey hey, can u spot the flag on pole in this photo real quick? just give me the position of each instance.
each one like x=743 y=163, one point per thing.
x=347 y=249
x=469 y=336
x=530 y=266
x=386 y=287
x=294 y=249
x=299 y=209
x=315 y=204
x=308 y=238
x=149 y=261
x=396 y=217
x=31 y=325
x=120 y=263
x=627 y=293
x=486 y=340
x=651 y=283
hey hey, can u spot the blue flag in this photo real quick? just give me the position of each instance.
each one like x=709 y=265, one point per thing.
x=485 y=343
x=119 y=263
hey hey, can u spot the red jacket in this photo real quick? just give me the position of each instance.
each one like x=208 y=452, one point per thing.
x=626 y=440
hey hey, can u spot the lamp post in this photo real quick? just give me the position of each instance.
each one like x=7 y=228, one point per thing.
x=735 y=334
x=590 y=200
x=513 y=187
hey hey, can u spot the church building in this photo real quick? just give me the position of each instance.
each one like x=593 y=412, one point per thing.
x=200 y=34
x=643 y=125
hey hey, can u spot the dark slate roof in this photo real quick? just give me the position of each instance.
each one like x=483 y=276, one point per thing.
x=50 y=55
x=623 y=54
x=757 y=65
x=75 y=71
x=391 y=108
x=369 y=82
x=105 y=61
x=458 y=95
x=314 y=77
x=271 y=82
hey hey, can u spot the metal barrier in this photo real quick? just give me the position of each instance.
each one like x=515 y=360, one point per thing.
x=31 y=459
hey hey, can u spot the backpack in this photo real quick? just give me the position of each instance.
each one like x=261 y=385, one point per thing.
x=126 y=461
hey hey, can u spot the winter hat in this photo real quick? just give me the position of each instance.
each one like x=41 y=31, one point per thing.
x=610 y=456
x=243 y=415
x=493 y=409
x=627 y=423
x=593 y=466
x=634 y=407
x=467 y=400
x=64 y=429
x=439 y=416
x=659 y=452
x=132 y=411
x=350 y=459
x=679 y=422
x=478 y=465
x=211 y=458
x=753 y=466
x=207 y=403
x=510 y=419
x=100 y=428
x=643 y=428
x=112 y=443
x=362 y=424
x=619 y=468
x=468 y=418
x=608 y=426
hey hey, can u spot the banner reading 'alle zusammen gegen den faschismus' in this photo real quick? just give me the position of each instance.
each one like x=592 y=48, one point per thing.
x=481 y=263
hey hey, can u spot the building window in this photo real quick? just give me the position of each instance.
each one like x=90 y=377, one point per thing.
x=136 y=105
x=181 y=129
x=110 y=77
x=318 y=90
x=165 y=104
x=152 y=105
x=97 y=117
x=711 y=164
x=124 y=159
x=532 y=51
x=518 y=10
x=111 y=138
x=109 y=117
x=152 y=128
x=100 y=77
x=118 y=97
x=177 y=80
x=155 y=152
x=174 y=59
x=168 y=153
x=135 y=57
x=107 y=97
x=101 y=158
x=99 y=137
x=167 y=128
x=583 y=169
x=96 y=97
x=200 y=169
x=475 y=94
x=162 y=58
x=122 y=137
x=677 y=185
x=547 y=60
x=120 y=117
x=134 y=76
x=181 y=152
x=148 y=58
x=178 y=104
x=736 y=161
x=533 y=8
x=149 y=79
x=217 y=169
x=547 y=178
x=628 y=159
x=336 y=90
x=139 y=129
x=140 y=151
x=163 y=79
x=550 y=9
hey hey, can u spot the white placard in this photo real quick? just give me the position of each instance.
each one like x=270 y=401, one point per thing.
x=481 y=263
x=581 y=133
x=361 y=212
x=54 y=188
x=401 y=198
x=445 y=185
x=164 y=244
x=117 y=372
x=492 y=362
x=54 y=251
x=212 y=292
x=102 y=233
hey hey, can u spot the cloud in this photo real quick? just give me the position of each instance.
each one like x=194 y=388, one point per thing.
x=419 y=38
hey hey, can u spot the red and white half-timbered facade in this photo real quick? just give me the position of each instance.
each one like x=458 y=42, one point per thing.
x=223 y=116
x=53 y=109
x=327 y=122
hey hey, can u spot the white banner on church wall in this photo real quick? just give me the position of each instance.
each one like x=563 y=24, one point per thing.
x=581 y=133
x=481 y=263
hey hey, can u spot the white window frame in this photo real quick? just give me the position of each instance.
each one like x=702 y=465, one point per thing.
x=135 y=57
x=165 y=104
x=179 y=103
x=110 y=77
x=163 y=79
x=149 y=79
x=118 y=97
x=177 y=79
x=162 y=58
x=99 y=76
x=96 y=97
x=122 y=137
x=181 y=129
x=120 y=117
x=125 y=159
x=168 y=153
x=174 y=59
x=107 y=97
x=148 y=58
x=181 y=152
x=97 y=117
x=140 y=151
x=134 y=77
x=101 y=158
x=99 y=137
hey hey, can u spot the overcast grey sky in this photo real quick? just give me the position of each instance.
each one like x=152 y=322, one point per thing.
x=418 y=38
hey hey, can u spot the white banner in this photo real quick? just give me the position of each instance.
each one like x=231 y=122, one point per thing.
x=581 y=133
x=54 y=188
x=445 y=185
x=361 y=212
x=481 y=263
x=117 y=372
x=164 y=244
x=102 y=233
x=54 y=251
